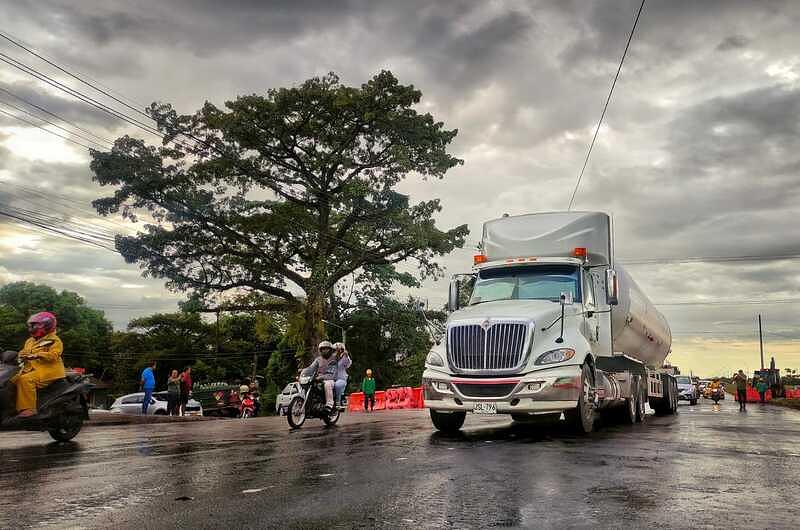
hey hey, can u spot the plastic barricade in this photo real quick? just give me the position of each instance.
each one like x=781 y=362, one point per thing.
x=417 y=399
x=355 y=402
x=404 y=398
x=392 y=398
x=380 y=400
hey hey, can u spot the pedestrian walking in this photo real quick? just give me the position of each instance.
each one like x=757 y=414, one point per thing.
x=741 y=389
x=341 y=372
x=186 y=388
x=148 y=385
x=173 y=394
x=761 y=387
x=368 y=387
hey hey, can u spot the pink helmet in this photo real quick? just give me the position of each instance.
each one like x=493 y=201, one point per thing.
x=41 y=324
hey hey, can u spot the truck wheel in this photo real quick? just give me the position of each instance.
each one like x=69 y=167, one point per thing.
x=448 y=422
x=627 y=412
x=581 y=418
x=641 y=401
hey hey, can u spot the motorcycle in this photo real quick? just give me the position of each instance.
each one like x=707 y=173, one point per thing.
x=62 y=404
x=247 y=408
x=310 y=401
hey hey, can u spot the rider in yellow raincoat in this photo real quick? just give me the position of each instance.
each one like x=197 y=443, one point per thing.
x=42 y=364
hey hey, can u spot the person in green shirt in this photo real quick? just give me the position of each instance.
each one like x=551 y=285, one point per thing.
x=761 y=387
x=368 y=387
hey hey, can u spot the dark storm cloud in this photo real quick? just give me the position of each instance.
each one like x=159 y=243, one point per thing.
x=733 y=42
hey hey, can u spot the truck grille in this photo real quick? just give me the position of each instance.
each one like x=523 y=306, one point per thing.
x=485 y=391
x=500 y=346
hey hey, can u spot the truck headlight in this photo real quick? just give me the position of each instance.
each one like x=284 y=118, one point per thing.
x=434 y=359
x=555 y=356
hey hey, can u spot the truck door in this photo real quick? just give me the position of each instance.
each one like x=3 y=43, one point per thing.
x=597 y=315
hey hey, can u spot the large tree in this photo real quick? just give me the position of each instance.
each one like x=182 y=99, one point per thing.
x=284 y=194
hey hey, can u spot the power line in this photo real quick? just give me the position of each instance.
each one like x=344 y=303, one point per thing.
x=73 y=133
x=54 y=115
x=730 y=302
x=605 y=107
x=78 y=78
x=710 y=259
x=44 y=129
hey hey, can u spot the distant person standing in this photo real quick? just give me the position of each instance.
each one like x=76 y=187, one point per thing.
x=761 y=387
x=368 y=387
x=345 y=362
x=740 y=379
x=186 y=388
x=148 y=385
x=173 y=393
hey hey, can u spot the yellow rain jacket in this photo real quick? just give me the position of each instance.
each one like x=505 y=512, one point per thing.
x=38 y=372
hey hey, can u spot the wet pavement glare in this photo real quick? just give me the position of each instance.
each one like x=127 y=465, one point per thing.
x=706 y=467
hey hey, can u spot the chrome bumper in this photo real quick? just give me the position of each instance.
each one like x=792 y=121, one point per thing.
x=550 y=390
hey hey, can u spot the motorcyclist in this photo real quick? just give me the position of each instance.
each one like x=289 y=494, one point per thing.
x=42 y=364
x=326 y=365
x=341 y=373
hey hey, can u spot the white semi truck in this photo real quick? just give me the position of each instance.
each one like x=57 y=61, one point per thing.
x=551 y=325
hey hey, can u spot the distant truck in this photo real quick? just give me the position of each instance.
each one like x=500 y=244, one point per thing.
x=549 y=324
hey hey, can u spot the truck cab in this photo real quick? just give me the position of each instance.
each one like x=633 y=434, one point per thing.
x=531 y=328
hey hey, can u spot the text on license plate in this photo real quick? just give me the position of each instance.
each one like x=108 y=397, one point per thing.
x=485 y=408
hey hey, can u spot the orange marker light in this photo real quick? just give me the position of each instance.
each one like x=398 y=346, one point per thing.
x=479 y=258
x=579 y=252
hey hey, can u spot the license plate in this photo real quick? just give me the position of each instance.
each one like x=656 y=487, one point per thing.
x=485 y=408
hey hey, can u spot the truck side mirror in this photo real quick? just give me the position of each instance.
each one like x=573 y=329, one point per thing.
x=566 y=298
x=612 y=287
x=452 y=302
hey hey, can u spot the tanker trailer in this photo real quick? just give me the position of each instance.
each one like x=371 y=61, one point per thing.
x=552 y=326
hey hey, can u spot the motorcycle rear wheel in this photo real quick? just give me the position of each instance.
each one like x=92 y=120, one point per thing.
x=66 y=427
x=296 y=412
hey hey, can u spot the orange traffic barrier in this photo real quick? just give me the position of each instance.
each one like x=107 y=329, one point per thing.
x=355 y=402
x=417 y=400
x=380 y=400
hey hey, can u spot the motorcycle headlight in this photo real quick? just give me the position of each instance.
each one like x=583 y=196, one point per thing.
x=434 y=359
x=555 y=356
x=305 y=379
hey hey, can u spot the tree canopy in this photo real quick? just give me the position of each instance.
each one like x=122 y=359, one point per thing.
x=282 y=195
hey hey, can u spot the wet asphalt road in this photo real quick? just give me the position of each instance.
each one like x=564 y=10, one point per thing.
x=704 y=467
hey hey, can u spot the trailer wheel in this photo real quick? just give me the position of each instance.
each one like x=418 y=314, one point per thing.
x=641 y=400
x=581 y=418
x=627 y=412
x=448 y=422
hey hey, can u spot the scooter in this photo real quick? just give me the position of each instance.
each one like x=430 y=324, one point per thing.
x=62 y=404
x=248 y=406
x=310 y=402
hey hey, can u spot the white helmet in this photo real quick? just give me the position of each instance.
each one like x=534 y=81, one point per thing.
x=338 y=346
x=325 y=344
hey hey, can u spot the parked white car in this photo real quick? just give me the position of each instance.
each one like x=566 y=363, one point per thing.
x=132 y=404
x=283 y=399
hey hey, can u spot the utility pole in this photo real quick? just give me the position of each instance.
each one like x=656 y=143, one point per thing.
x=255 y=367
x=760 y=341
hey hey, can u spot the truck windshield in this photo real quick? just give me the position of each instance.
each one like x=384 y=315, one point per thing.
x=527 y=282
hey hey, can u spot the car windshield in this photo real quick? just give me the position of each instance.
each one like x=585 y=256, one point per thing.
x=529 y=282
x=683 y=380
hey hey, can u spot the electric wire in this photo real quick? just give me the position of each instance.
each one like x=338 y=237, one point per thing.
x=44 y=120
x=32 y=124
x=605 y=107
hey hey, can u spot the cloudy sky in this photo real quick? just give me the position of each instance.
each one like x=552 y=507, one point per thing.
x=699 y=155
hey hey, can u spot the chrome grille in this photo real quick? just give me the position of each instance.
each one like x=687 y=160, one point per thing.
x=501 y=346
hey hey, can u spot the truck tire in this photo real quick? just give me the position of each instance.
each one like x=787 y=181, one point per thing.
x=627 y=412
x=581 y=418
x=641 y=401
x=448 y=422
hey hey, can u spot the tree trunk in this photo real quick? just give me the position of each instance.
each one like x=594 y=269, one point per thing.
x=313 y=315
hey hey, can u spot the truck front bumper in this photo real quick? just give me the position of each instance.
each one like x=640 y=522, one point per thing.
x=546 y=391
